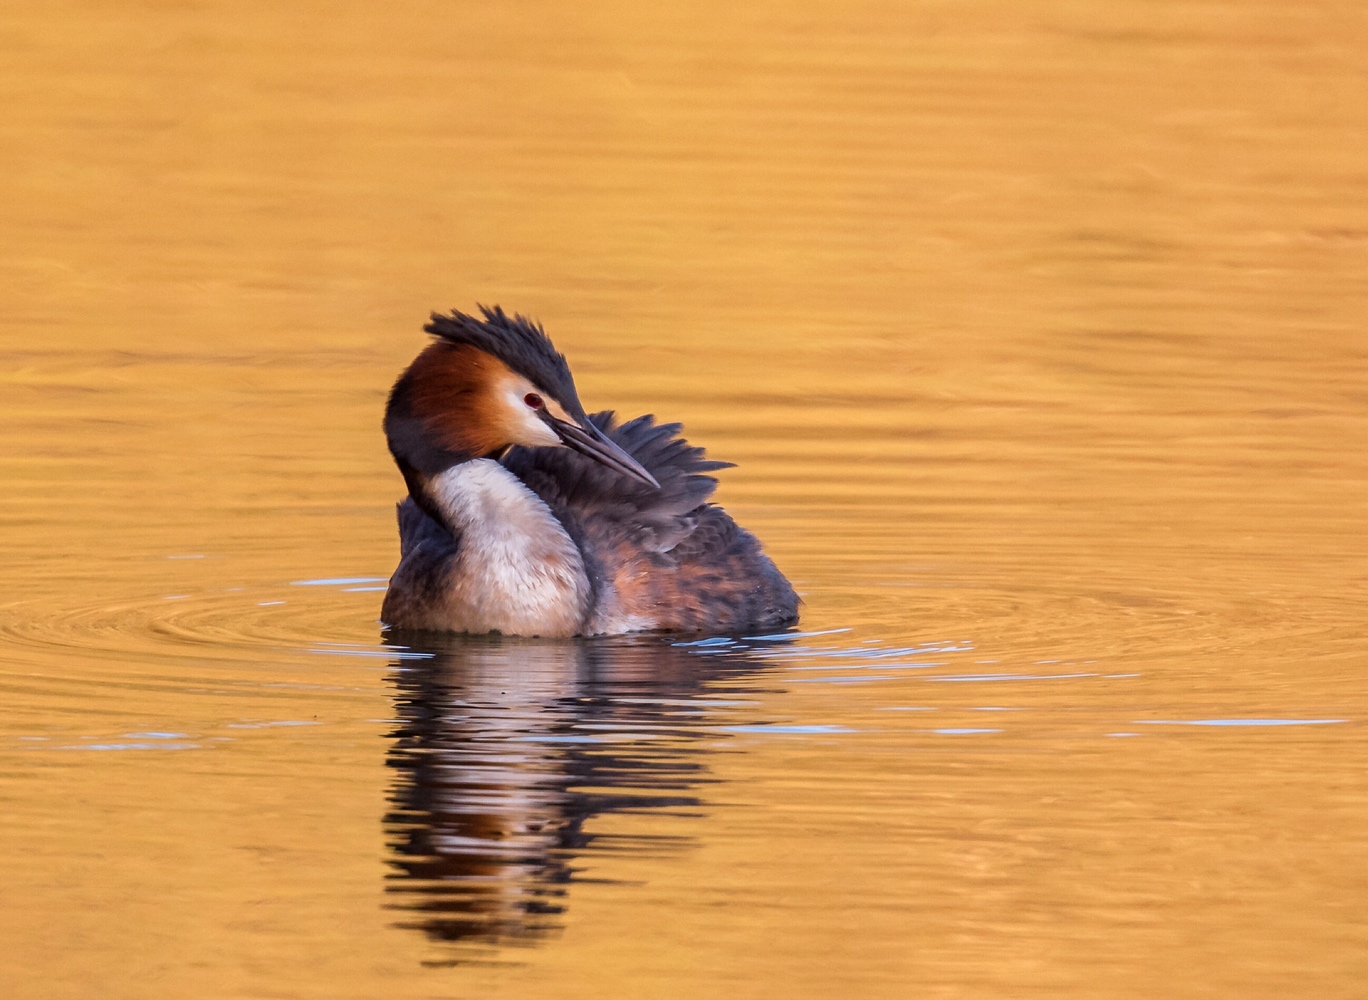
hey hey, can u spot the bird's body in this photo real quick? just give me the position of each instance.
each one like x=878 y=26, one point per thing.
x=507 y=529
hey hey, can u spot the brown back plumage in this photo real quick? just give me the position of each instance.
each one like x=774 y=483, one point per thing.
x=667 y=554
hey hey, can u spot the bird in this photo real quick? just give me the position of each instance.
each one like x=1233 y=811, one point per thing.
x=526 y=516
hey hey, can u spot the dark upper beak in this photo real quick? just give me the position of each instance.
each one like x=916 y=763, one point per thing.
x=593 y=442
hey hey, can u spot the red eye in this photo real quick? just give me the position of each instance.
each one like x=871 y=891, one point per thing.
x=534 y=401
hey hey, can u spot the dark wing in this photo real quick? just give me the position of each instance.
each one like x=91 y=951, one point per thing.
x=418 y=530
x=657 y=519
x=426 y=550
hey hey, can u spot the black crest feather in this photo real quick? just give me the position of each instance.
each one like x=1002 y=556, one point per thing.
x=518 y=342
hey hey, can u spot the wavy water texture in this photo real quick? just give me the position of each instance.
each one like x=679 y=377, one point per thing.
x=1036 y=331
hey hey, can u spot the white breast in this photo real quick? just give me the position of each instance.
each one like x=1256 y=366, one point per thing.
x=517 y=571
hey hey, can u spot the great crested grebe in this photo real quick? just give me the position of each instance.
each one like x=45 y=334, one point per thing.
x=527 y=516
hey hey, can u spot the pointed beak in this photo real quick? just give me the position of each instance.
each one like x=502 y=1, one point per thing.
x=593 y=442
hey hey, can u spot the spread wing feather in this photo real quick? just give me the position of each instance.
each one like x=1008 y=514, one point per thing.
x=659 y=519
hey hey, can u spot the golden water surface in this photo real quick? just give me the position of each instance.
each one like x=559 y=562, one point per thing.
x=1037 y=331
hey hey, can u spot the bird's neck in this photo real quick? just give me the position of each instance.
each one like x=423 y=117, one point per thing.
x=516 y=571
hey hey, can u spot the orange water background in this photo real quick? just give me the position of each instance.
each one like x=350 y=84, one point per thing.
x=1037 y=331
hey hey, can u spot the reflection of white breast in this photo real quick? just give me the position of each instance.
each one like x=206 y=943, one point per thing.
x=516 y=571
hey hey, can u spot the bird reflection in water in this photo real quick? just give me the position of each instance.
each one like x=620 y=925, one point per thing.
x=505 y=750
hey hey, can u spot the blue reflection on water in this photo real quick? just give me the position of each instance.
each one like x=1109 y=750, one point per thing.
x=1238 y=722
x=980 y=678
x=133 y=746
x=373 y=653
x=788 y=730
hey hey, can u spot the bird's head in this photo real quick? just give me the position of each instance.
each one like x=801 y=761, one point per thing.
x=484 y=385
